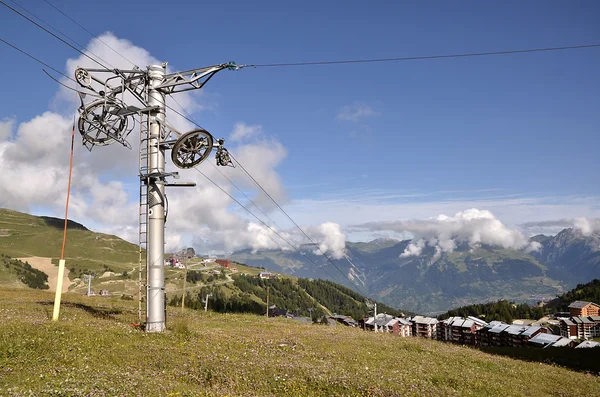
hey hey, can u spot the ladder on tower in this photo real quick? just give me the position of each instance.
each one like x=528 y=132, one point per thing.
x=143 y=213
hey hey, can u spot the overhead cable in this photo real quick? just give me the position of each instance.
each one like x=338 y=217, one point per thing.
x=58 y=31
x=258 y=219
x=36 y=59
x=54 y=35
x=415 y=58
x=225 y=176
x=290 y=218
x=90 y=33
x=189 y=118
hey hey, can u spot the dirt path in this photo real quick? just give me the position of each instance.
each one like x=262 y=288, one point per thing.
x=46 y=266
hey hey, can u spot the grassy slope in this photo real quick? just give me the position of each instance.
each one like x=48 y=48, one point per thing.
x=25 y=235
x=94 y=351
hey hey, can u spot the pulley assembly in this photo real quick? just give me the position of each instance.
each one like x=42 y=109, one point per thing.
x=108 y=119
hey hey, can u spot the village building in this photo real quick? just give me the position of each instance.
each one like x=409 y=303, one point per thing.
x=519 y=335
x=491 y=334
x=581 y=327
x=583 y=308
x=460 y=330
x=265 y=275
x=387 y=323
x=588 y=344
x=345 y=320
x=549 y=340
x=275 y=311
x=223 y=262
x=424 y=326
x=497 y=333
x=405 y=327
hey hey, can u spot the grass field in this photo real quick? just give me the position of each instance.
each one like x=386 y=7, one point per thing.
x=93 y=351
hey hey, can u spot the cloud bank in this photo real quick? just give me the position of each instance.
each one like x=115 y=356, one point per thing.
x=586 y=226
x=444 y=233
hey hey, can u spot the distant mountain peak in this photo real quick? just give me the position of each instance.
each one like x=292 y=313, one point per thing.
x=383 y=240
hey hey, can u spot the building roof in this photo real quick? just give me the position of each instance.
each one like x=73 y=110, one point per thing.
x=514 y=329
x=499 y=328
x=424 y=320
x=587 y=344
x=530 y=331
x=561 y=342
x=545 y=339
x=468 y=324
x=492 y=324
x=381 y=320
x=477 y=321
x=580 y=304
x=567 y=321
x=450 y=320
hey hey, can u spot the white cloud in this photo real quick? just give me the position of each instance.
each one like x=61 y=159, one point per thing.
x=356 y=112
x=242 y=131
x=587 y=226
x=332 y=240
x=444 y=233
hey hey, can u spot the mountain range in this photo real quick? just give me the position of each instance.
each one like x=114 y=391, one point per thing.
x=425 y=284
x=430 y=283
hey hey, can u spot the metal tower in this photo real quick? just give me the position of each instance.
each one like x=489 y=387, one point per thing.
x=108 y=119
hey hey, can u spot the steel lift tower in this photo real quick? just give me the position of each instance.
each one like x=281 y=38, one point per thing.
x=108 y=119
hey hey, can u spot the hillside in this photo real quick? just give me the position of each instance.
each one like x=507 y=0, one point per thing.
x=95 y=351
x=241 y=293
x=589 y=292
x=507 y=311
x=23 y=236
x=113 y=262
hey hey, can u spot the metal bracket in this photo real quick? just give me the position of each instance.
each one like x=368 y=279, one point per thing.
x=194 y=79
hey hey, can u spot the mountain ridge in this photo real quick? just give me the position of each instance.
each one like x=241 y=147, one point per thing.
x=432 y=283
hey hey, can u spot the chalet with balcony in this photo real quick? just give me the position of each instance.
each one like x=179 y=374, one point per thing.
x=498 y=333
x=491 y=334
x=583 y=308
x=549 y=340
x=581 y=327
x=424 y=326
x=460 y=330
x=387 y=323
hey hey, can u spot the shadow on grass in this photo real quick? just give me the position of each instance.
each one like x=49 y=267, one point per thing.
x=584 y=360
x=98 y=312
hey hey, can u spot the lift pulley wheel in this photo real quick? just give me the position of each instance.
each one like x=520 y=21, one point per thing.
x=192 y=148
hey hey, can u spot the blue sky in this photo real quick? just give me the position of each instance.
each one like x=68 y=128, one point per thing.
x=424 y=132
